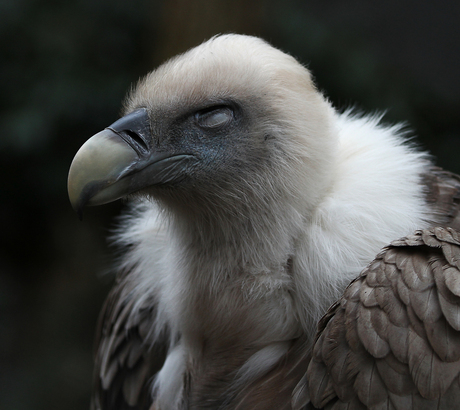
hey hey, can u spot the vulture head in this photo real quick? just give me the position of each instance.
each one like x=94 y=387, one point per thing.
x=206 y=131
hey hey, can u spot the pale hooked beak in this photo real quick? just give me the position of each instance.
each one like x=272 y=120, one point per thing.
x=120 y=160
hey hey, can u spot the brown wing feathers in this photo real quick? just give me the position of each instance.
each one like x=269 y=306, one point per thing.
x=443 y=194
x=126 y=360
x=393 y=339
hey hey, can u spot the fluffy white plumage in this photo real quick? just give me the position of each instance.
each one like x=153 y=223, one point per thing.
x=338 y=204
x=375 y=197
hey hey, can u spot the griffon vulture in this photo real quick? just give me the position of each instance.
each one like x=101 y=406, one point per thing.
x=256 y=206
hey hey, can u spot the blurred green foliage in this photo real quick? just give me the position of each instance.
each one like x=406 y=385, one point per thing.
x=64 y=70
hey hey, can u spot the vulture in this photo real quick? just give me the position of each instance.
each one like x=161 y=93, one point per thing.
x=277 y=253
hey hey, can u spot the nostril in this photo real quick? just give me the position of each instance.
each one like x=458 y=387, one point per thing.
x=137 y=140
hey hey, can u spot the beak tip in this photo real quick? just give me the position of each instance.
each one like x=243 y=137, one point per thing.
x=77 y=206
x=95 y=170
x=78 y=196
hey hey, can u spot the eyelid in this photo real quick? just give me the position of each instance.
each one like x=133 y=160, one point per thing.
x=214 y=117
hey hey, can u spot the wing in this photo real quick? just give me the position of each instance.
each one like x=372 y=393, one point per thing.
x=126 y=358
x=443 y=196
x=393 y=340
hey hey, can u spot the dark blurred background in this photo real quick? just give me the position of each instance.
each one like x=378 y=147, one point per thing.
x=64 y=70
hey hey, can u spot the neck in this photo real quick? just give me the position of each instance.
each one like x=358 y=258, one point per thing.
x=235 y=272
x=251 y=239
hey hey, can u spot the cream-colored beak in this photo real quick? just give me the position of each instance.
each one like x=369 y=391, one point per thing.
x=97 y=172
x=119 y=161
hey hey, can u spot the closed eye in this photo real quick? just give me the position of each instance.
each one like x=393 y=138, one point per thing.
x=215 y=117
